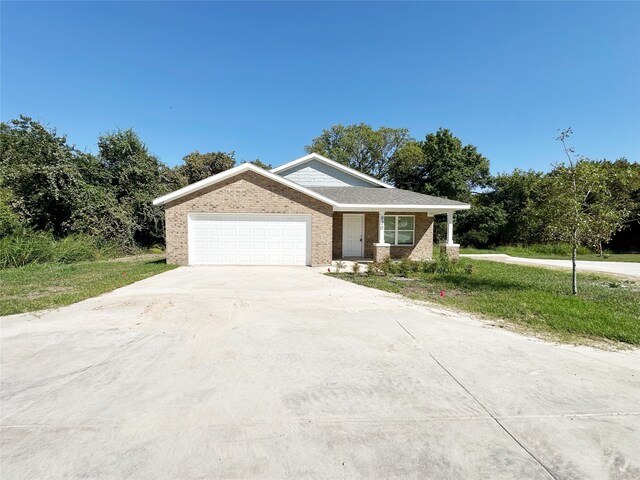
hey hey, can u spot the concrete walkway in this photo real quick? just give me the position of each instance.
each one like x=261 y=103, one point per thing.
x=628 y=269
x=274 y=373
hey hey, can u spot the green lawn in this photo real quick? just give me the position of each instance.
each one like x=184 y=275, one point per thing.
x=40 y=286
x=536 y=299
x=532 y=253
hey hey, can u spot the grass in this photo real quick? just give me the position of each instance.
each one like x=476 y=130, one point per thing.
x=26 y=248
x=535 y=299
x=40 y=286
x=554 y=252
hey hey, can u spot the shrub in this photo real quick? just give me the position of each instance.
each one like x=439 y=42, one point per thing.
x=355 y=268
x=340 y=265
x=22 y=249
x=75 y=248
x=375 y=268
x=39 y=247
x=406 y=266
x=387 y=266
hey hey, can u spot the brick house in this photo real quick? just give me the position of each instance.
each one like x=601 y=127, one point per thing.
x=310 y=211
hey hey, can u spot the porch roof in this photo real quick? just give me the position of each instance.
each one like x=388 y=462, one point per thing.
x=369 y=198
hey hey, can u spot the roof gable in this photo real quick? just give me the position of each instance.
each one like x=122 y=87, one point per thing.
x=314 y=170
x=232 y=172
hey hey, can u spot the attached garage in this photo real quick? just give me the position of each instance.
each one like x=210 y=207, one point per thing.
x=249 y=239
x=247 y=216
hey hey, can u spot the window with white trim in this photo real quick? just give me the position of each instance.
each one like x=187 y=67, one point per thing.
x=399 y=229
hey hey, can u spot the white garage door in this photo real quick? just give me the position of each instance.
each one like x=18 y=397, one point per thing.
x=249 y=239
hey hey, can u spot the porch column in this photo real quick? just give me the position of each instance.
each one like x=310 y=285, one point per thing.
x=381 y=250
x=450 y=228
x=381 y=227
x=450 y=249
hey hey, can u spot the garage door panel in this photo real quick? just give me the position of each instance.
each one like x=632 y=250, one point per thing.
x=249 y=239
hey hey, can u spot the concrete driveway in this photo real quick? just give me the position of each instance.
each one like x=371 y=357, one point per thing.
x=278 y=373
x=627 y=269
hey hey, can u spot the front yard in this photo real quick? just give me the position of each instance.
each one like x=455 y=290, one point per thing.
x=40 y=286
x=535 y=299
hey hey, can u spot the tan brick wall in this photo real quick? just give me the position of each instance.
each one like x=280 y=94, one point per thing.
x=422 y=250
x=248 y=192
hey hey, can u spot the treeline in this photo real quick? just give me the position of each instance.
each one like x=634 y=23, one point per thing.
x=47 y=185
x=515 y=208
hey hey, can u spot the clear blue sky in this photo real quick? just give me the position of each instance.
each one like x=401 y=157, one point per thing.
x=263 y=79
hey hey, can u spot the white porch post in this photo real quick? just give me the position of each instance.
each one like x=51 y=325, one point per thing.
x=450 y=228
x=381 y=250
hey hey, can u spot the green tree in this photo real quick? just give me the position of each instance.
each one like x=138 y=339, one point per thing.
x=99 y=214
x=198 y=166
x=136 y=178
x=10 y=221
x=440 y=165
x=579 y=207
x=42 y=172
x=361 y=147
x=481 y=226
x=258 y=163
x=518 y=194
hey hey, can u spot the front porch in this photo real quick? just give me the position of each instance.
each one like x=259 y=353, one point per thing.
x=376 y=235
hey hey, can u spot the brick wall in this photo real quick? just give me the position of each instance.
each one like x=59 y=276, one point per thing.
x=422 y=250
x=248 y=192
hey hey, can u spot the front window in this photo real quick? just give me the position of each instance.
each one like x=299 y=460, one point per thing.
x=399 y=229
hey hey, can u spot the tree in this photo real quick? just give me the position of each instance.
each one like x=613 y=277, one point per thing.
x=481 y=225
x=10 y=221
x=41 y=171
x=136 y=178
x=361 y=147
x=518 y=194
x=198 y=166
x=440 y=165
x=623 y=178
x=258 y=163
x=579 y=208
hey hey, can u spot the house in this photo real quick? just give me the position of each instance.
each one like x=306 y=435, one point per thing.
x=306 y=212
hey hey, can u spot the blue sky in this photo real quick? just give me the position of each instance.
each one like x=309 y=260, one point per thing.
x=263 y=79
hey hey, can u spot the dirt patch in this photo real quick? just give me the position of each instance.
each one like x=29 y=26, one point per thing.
x=37 y=294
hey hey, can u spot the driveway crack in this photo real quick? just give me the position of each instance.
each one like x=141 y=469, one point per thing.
x=475 y=399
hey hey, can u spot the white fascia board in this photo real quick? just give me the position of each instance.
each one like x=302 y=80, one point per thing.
x=333 y=163
x=434 y=209
x=235 y=171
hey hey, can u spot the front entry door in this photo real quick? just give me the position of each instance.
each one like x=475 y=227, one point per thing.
x=353 y=235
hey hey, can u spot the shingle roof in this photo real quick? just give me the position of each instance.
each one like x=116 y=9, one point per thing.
x=381 y=196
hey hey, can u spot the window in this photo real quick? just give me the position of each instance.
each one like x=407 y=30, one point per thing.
x=399 y=229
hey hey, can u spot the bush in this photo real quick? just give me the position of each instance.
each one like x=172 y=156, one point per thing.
x=22 y=249
x=405 y=267
x=75 y=248
x=375 y=268
x=38 y=247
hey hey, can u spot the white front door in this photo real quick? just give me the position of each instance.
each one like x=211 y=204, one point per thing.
x=353 y=235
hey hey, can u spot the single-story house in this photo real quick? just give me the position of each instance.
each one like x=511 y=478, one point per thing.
x=306 y=212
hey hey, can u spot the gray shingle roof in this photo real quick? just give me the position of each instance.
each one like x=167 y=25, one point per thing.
x=381 y=196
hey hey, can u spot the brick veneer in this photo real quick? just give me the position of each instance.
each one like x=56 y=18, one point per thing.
x=422 y=250
x=248 y=192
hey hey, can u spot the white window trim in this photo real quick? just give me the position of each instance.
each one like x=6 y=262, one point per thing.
x=395 y=231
